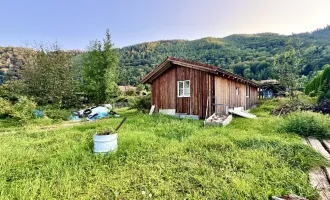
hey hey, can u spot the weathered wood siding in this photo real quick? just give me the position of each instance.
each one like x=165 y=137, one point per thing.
x=217 y=88
x=225 y=93
x=164 y=91
x=253 y=99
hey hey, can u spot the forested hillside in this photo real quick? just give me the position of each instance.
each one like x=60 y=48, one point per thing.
x=249 y=55
x=13 y=58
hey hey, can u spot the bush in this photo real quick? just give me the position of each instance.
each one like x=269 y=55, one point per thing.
x=142 y=104
x=12 y=90
x=5 y=108
x=306 y=123
x=23 y=109
x=312 y=93
x=130 y=92
x=58 y=114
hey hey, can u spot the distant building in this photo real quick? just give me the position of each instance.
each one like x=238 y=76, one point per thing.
x=271 y=81
x=126 y=88
x=270 y=88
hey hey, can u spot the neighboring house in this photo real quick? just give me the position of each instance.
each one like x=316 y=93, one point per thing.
x=195 y=88
x=271 y=81
x=270 y=88
x=125 y=88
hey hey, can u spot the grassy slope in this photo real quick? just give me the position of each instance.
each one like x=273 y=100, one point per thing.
x=169 y=158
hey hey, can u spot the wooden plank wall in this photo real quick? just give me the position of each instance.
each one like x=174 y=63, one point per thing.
x=164 y=91
x=253 y=100
x=225 y=93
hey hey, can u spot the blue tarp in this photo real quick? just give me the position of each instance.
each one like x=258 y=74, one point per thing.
x=37 y=114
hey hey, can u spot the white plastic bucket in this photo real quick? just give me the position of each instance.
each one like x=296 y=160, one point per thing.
x=105 y=143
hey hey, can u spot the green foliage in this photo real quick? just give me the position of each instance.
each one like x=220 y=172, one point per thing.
x=100 y=65
x=265 y=107
x=12 y=90
x=249 y=55
x=307 y=124
x=307 y=100
x=321 y=83
x=5 y=108
x=246 y=160
x=2 y=77
x=130 y=92
x=141 y=88
x=57 y=114
x=48 y=76
x=141 y=103
x=22 y=110
x=312 y=93
x=288 y=67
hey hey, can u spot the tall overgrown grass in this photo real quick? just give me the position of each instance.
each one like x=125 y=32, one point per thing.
x=165 y=157
x=307 y=124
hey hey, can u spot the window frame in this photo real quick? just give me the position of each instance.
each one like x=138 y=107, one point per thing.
x=248 y=91
x=183 y=88
x=237 y=91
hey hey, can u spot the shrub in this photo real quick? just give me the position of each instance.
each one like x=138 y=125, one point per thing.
x=130 y=92
x=320 y=82
x=12 y=90
x=265 y=106
x=312 y=93
x=142 y=104
x=5 y=108
x=57 y=114
x=121 y=99
x=23 y=109
x=306 y=123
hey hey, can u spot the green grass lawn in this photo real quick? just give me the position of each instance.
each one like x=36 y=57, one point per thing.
x=166 y=157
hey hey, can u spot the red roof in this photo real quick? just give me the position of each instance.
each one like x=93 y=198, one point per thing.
x=159 y=69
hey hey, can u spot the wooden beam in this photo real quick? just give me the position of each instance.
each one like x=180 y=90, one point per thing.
x=316 y=144
x=319 y=181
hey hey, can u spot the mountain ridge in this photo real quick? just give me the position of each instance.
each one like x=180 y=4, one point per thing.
x=249 y=55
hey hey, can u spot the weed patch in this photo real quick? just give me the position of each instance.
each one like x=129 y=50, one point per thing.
x=166 y=157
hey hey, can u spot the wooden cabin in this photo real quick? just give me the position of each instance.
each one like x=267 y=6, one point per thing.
x=196 y=89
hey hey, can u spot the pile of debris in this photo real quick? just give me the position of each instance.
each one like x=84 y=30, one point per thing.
x=292 y=106
x=323 y=107
x=93 y=113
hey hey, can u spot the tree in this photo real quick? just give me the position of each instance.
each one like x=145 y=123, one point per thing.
x=140 y=89
x=288 y=66
x=320 y=85
x=100 y=70
x=1 y=77
x=49 y=77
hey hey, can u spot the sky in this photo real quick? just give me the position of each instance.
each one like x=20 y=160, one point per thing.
x=74 y=23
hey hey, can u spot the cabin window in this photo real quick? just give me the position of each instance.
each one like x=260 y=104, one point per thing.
x=247 y=91
x=236 y=91
x=184 y=88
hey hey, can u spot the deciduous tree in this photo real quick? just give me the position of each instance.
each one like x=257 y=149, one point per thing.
x=100 y=66
x=288 y=67
x=49 y=77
